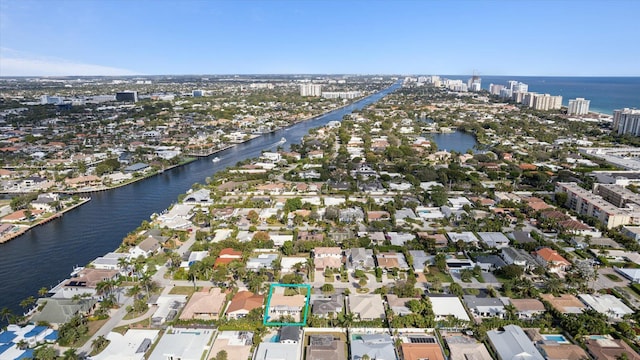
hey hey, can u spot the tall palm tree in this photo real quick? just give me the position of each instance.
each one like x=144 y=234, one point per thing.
x=70 y=354
x=6 y=314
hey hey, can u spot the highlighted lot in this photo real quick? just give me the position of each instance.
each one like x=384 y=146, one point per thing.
x=287 y=305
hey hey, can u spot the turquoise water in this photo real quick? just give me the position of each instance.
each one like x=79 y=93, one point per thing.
x=557 y=338
x=597 y=337
x=606 y=93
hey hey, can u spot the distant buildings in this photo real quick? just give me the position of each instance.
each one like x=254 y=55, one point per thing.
x=310 y=90
x=128 y=96
x=578 y=106
x=626 y=121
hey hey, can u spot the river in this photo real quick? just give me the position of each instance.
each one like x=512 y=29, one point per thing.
x=46 y=255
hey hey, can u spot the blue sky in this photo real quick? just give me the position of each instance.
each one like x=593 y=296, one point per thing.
x=121 y=37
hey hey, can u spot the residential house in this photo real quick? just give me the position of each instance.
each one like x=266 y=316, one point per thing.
x=390 y=260
x=399 y=238
x=466 y=236
x=226 y=256
x=327 y=257
x=207 y=304
x=277 y=351
x=326 y=347
x=46 y=202
x=512 y=343
x=288 y=264
x=327 y=306
x=521 y=237
x=494 y=239
x=550 y=259
x=490 y=262
x=201 y=197
x=518 y=257
x=242 y=303
x=604 y=347
x=148 y=247
x=528 y=309
x=420 y=260
x=59 y=311
x=85 y=282
x=606 y=304
x=420 y=347
x=485 y=307
x=463 y=347
x=562 y=351
x=289 y=335
x=359 y=258
x=262 y=261
x=447 y=305
x=237 y=344
x=283 y=305
x=366 y=306
x=375 y=346
x=399 y=305
x=565 y=303
x=351 y=215
x=378 y=216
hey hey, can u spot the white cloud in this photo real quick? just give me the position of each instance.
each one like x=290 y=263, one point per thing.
x=15 y=63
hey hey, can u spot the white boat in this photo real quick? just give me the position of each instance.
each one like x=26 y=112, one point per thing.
x=215 y=159
x=76 y=270
x=283 y=140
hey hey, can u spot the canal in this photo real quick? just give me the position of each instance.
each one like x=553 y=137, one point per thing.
x=46 y=255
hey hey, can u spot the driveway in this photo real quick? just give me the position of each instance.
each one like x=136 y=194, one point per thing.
x=603 y=282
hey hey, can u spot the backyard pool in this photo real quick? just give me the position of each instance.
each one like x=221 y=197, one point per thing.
x=555 y=337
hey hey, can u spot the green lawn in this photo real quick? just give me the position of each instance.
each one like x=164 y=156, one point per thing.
x=434 y=273
x=613 y=277
x=184 y=290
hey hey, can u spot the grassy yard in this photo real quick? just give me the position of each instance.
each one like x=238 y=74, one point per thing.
x=613 y=277
x=434 y=273
x=184 y=290
x=94 y=326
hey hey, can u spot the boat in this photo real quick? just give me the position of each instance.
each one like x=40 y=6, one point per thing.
x=76 y=270
x=283 y=140
x=215 y=159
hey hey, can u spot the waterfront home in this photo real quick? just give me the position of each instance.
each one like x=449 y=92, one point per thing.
x=366 y=306
x=242 y=303
x=21 y=216
x=276 y=350
x=207 y=304
x=326 y=346
x=148 y=247
x=46 y=202
x=110 y=261
x=85 y=282
x=511 y=343
x=60 y=311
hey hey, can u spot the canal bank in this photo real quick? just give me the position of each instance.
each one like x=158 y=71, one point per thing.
x=46 y=255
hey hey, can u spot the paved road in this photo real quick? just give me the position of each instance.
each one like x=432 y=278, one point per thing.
x=117 y=317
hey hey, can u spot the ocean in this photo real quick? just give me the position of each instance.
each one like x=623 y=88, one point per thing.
x=606 y=93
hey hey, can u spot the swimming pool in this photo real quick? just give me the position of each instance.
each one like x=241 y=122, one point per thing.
x=555 y=337
x=598 y=337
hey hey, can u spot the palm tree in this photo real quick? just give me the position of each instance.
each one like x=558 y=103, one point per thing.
x=27 y=302
x=123 y=264
x=99 y=343
x=43 y=291
x=6 y=314
x=70 y=354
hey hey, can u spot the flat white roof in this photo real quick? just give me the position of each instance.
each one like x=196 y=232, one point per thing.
x=182 y=343
x=448 y=305
x=124 y=347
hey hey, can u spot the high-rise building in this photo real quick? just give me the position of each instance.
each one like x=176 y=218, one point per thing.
x=474 y=83
x=131 y=96
x=495 y=89
x=506 y=93
x=626 y=121
x=578 y=106
x=47 y=99
x=310 y=90
x=517 y=86
x=197 y=93
x=546 y=102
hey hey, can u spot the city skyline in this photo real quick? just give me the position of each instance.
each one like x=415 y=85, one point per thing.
x=58 y=38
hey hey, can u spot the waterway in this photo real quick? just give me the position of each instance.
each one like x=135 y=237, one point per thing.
x=47 y=254
x=456 y=141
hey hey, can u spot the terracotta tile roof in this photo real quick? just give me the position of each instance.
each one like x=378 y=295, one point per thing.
x=551 y=256
x=421 y=351
x=205 y=304
x=245 y=300
x=527 y=304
